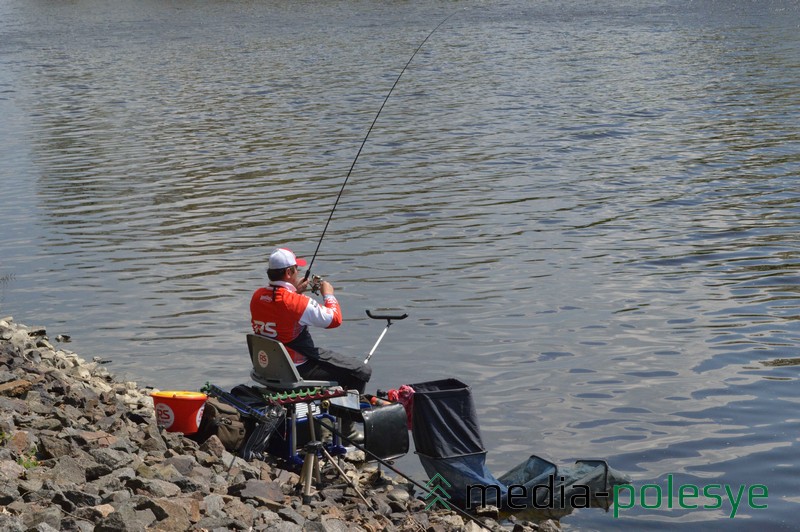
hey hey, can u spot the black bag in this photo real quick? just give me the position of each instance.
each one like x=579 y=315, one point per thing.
x=224 y=421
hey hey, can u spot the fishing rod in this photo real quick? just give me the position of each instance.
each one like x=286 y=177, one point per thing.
x=363 y=142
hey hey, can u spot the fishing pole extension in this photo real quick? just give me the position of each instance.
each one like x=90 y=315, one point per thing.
x=363 y=142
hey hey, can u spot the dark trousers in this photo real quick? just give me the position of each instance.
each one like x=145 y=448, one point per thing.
x=348 y=372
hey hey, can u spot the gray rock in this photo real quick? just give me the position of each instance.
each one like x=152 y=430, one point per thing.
x=313 y=526
x=243 y=512
x=52 y=446
x=385 y=508
x=335 y=525
x=171 y=515
x=182 y=463
x=398 y=495
x=30 y=485
x=166 y=472
x=257 y=489
x=82 y=498
x=188 y=485
x=154 y=486
x=288 y=514
x=284 y=526
x=9 y=492
x=67 y=472
x=332 y=494
x=49 y=424
x=126 y=519
x=266 y=516
x=213 y=446
x=36 y=514
x=20 y=341
x=125 y=473
x=213 y=504
x=43 y=527
x=9 y=523
x=97 y=471
x=118 y=497
x=10 y=471
x=396 y=506
x=77 y=525
x=13 y=404
x=222 y=523
x=111 y=457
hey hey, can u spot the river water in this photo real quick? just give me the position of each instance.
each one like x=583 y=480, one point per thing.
x=590 y=210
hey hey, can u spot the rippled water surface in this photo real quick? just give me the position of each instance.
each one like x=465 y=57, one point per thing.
x=590 y=211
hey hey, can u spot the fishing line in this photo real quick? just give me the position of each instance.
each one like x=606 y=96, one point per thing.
x=338 y=197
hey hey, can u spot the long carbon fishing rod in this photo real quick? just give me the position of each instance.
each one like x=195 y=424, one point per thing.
x=338 y=197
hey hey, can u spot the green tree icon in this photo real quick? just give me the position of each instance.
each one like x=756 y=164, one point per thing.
x=437 y=492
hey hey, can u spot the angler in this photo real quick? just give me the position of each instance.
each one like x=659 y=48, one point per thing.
x=282 y=312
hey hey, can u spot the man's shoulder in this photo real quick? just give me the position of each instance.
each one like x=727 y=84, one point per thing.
x=259 y=292
x=289 y=295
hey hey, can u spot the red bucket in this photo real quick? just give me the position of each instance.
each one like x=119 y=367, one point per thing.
x=179 y=411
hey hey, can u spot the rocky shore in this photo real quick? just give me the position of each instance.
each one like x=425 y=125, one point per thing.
x=80 y=450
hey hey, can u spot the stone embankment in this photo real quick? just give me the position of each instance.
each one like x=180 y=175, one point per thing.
x=80 y=450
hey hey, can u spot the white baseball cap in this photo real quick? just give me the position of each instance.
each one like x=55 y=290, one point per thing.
x=283 y=258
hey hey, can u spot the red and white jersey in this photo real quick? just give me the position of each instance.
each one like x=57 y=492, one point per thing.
x=279 y=312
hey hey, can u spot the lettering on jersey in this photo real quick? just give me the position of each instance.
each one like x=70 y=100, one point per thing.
x=265 y=328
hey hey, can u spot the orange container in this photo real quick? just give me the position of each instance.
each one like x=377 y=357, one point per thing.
x=179 y=411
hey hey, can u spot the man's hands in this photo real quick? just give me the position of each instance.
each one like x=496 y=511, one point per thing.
x=302 y=286
x=325 y=288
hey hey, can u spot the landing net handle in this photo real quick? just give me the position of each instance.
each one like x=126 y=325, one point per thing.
x=388 y=318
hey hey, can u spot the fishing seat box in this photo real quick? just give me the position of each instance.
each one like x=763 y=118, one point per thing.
x=385 y=425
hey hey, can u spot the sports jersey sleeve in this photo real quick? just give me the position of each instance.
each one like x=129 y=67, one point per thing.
x=327 y=316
